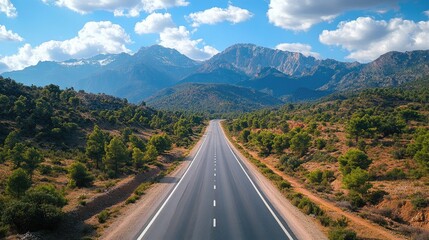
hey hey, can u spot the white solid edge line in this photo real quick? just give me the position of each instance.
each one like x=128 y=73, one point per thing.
x=171 y=194
x=260 y=195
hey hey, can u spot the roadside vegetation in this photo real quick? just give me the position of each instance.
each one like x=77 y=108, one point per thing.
x=59 y=147
x=367 y=152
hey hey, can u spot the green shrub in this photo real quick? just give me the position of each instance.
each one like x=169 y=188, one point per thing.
x=320 y=143
x=375 y=197
x=45 y=169
x=395 y=174
x=103 y=216
x=290 y=162
x=339 y=233
x=3 y=230
x=284 y=184
x=27 y=216
x=355 y=199
x=80 y=175
x=142 y=188
x=132 y=199
x=45 y=194
x=419 y=201
x=18 y=182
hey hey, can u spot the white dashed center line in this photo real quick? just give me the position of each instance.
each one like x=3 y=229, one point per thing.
x=214 y=186
x=214 y=222
x=214 y=203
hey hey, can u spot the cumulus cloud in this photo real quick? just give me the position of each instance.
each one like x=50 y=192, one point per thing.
x=304 y=49
x=366 y=38
x=7 y=8
x=8 y=35
x=154 y=23
x=94 y=38
x=301 y=15
x=129 y=8
x=216 y=15
x=180 y=39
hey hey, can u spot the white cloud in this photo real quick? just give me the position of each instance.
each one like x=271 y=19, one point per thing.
x=301 y=15
x=154 y=23
x=180 y=39
x=304 y=49
x=94 y=38
x=216 y=15
x=8 y=35
x=366 y=38
x=129 y=8
x=426 y=13
x=7 y=8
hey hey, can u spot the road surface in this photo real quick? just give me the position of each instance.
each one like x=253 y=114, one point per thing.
x=216 y=199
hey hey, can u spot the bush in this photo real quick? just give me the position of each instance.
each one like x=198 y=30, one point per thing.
x=284 y=184
x=39 y=208
x=353 y=159
x=290 y=162
x=339 y=233
x=132 y=199
x=18 y=183
x=45 y=169
x=27 y=216
x=142 y=188
x=376 y=197
x=103 y=216
x=395 y=174
x=355 y=200
x=80 y=175
x=357 y=180
x=45 y=195
x=3 y=230
x=419 y=201
x=320 y=143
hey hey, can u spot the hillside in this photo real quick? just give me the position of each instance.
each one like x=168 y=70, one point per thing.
x=361 y=152
x=62 y=151
x=211 y=98
x=281 y=74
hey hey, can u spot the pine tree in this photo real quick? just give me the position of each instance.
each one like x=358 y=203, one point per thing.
x=116 y=155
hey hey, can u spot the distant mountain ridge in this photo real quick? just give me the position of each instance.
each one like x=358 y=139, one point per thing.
x=281 y=74
x=134 y=77
x=211 y=98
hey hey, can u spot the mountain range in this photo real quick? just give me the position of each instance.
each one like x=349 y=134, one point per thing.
x=257 y=76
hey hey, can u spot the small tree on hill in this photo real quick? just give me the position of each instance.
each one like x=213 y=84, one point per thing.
x=18 y=183
x=116 y=155
x=353 y=159
x=300 y=143
x=79 y=175
x=150 y=154
x=138 y=158
x=32 y=158
x=95 y=146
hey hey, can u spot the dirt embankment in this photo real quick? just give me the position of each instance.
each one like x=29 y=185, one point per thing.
x=364 y=228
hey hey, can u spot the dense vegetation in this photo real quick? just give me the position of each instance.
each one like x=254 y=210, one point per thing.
x=47 y=134
x=211 y=98
x=357 y=149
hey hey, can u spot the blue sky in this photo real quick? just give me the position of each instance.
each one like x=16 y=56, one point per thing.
x=345 y=30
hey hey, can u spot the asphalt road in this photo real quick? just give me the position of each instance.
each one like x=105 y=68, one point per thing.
x=216 y=199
